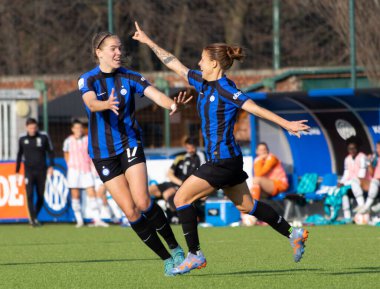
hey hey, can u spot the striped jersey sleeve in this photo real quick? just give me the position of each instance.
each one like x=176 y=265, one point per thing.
x=85 y=84
x=232 y=95
x=138 y=83
x=195 y=79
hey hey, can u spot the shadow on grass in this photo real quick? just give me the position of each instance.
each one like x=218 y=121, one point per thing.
x=76 y=262
x=259 y=272
x=61 y=243
x=356 y=271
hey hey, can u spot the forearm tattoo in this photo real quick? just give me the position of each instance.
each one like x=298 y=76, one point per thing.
x=163 y=55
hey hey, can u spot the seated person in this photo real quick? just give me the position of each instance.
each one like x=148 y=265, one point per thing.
x=373 y=190
x=355 y=176
x=183 y=166
x=269 y=177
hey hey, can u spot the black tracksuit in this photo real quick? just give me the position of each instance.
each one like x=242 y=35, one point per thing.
x=34 y=149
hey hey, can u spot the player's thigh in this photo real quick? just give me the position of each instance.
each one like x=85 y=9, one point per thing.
x=138 y=184
x=191 y=190
x=120 y=192
x=240 y=196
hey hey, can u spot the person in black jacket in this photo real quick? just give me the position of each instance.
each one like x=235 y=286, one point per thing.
x=34 y=145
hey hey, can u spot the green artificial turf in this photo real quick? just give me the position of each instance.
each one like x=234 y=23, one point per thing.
x=61 y=256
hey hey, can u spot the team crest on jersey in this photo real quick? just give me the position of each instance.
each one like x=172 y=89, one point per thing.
x=26 y=141
x=212 y=98
x=39 y=142
x=123 y=91
x=105 y=171
x=81 y=83
x=236 y=95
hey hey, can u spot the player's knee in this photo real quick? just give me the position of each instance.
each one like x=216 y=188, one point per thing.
x=144 y=204
x=132 y=214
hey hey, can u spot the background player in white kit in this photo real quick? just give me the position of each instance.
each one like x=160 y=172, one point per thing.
x=79 y=175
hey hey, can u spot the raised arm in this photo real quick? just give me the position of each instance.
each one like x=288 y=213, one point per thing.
x=294 y=127
x=166 y=57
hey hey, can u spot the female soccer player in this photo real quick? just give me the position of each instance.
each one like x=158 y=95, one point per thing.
x=114 y=142
x=79 y=176
x=218 y=103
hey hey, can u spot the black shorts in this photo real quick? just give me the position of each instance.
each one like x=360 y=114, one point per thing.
x=114 y=166
x=167 y=185
x=223 y=173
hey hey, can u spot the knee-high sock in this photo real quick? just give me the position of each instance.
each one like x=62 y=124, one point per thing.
x=75 y=204
x=267 y=214
x=158 y=220
x=357 y=191
x=372 y=193
x=187 y=216
x=149 y=236
x=346 y=207
x=93 y=205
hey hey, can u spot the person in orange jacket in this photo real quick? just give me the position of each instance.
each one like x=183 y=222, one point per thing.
x=269 y=175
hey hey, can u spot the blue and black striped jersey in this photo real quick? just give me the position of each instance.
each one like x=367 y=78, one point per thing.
x=110 y=134
x=218 y=104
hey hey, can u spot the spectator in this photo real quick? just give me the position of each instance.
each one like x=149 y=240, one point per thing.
x=184 y=165
x=373 y=190
x=34 y=145
x=79 y=175
x=269 y=175
x=355 y=176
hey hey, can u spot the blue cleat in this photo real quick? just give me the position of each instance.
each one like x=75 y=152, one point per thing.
x=178 y=255
x=168 y=267
x=297 y=241
x=192 y=261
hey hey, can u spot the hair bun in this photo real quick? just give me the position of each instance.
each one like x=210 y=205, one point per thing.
x=235 y=52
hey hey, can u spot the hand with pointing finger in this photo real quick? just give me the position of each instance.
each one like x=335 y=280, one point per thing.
x=140 y=35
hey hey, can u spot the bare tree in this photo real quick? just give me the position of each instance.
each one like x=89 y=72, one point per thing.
x=367 y=22
x=54 y=36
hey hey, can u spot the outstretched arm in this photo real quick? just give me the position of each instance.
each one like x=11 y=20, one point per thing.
x=294 y=127
x=164 y=101
x=166 y=57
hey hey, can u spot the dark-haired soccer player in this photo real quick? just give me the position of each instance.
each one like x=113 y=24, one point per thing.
x=34 y=145
x=218 y=103
x=115 y=146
